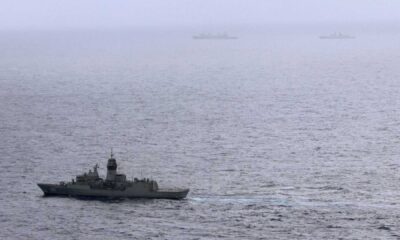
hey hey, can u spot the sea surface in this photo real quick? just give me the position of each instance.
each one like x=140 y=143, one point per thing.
x=278 y=135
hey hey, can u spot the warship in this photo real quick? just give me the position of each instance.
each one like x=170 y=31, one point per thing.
x=207 y=36
x=337 y=36
x=115 y=185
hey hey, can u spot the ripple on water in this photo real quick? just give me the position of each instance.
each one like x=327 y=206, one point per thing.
x=276 y=138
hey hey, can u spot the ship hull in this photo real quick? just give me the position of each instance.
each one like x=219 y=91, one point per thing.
x=85 y=191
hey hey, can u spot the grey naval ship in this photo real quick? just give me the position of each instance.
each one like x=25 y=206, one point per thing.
x=90 y=185
x=337 y=36
x=207 y=36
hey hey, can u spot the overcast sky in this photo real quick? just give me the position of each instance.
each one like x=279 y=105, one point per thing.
x=43 y=14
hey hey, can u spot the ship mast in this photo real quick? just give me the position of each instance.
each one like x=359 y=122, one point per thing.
x=111 y=168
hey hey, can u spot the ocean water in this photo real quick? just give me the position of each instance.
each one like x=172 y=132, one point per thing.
x=278 y=135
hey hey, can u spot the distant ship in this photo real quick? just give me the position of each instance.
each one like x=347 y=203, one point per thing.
x=221 y=36
x=115 y=185
x=336 y=36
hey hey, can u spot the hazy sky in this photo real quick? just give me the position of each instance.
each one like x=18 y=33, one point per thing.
x=22 y=14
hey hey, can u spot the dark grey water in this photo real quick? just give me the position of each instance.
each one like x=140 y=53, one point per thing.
x=278 y=136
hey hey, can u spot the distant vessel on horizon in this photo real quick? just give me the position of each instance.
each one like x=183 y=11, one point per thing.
x=220 y=36
x=337 y=36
